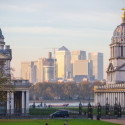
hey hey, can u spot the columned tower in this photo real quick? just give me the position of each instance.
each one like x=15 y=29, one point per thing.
x=116 y=68
x=114 y=90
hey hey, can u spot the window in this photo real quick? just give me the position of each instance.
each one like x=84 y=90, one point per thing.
x=121 y=51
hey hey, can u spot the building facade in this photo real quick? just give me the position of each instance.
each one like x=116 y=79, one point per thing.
x=97 y=59
x=28 y=71
x=41 y=70
x=114 y=90
x=78 y=55
x=82 y=69
x=17 y=98
x=63 y=57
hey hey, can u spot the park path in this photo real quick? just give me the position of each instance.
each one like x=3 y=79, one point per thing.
x=120 y=121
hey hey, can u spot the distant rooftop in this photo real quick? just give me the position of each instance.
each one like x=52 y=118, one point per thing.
x=63 y=48
x=1 y=36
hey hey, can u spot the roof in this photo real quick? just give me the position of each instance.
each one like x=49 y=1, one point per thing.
x=63 y=48
x=1 y=36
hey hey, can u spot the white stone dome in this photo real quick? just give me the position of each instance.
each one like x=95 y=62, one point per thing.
x=119 y=33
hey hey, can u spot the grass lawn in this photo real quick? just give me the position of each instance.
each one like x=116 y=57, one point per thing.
x=54 y=122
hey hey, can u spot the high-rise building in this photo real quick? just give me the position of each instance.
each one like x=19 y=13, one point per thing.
x=63 y=57
x=82 y=69
x=78 y=55
x=41 y=70
x=28 y=71
x=97 y=59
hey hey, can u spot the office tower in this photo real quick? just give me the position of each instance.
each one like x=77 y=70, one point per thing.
x=82 y=69
x=63 y=63
x=97 y=59
x=28 y=71
x=78 y=55
x=41 y=70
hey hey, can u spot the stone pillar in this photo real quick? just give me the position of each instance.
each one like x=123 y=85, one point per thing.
x=122 y=99
x=113 y=98
x=103 y=99
x=8 y=102
x=95 y=99
x=118 y=97
x=12 y=102
x=109 y=98
x=27 y=101
x=23 y=102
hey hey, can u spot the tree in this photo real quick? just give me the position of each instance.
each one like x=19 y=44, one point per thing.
x=5 y=82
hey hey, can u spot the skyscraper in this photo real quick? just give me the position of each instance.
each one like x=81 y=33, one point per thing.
x=75 y=56
x=82 y=69
x=39 y=71
x=63 y=57
x=28 y=71
x=97 y=59
x=78 y=55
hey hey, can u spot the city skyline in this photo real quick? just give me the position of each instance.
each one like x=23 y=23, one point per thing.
x=54 y=24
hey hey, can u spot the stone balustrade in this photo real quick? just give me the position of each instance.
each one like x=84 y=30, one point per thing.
x=111 y=86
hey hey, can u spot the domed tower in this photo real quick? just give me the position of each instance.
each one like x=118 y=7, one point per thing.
x=116 y=68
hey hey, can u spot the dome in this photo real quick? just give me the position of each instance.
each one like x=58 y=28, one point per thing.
x=119 y=33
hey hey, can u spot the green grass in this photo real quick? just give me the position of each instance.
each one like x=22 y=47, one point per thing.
x=46 y=111
x=54 y=122
x=49 y=111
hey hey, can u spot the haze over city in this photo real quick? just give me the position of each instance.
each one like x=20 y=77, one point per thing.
x=33 y=28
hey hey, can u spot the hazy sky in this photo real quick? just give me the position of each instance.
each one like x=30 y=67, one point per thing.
x=34 y=27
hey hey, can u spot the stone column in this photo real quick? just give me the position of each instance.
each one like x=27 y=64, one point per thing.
x=109 y=98
x=118 y=98
x=124 y=99
x=104 y=99
x=27 y=101
x=95 y=99
x=23 y=104
x=12 y=102
x=113 y=98
x=8 y=102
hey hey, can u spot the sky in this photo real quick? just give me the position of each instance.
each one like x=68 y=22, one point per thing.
x=32 y=28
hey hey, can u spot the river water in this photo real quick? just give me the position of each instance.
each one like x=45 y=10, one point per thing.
x=71 y=104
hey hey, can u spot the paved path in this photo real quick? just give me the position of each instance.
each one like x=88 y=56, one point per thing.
x=118 y=121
